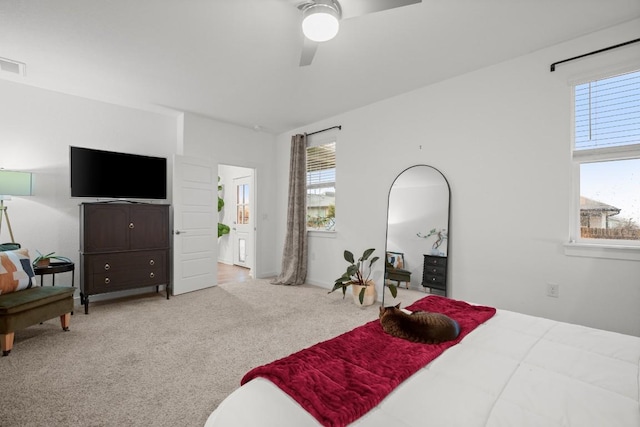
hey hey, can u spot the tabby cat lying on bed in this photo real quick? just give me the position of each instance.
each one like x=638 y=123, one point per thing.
x=419 y=326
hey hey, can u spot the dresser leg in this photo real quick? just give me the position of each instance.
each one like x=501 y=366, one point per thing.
x=86 y=304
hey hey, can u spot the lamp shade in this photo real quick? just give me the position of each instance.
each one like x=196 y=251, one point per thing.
x=14 y=183
x=320 y=22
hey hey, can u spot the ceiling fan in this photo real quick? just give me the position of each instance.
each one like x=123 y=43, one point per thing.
x=321 y=19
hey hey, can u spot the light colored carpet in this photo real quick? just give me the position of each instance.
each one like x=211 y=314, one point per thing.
x=148 y=361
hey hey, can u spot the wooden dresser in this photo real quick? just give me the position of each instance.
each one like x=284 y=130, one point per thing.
x=434 y=273
x=123 y=246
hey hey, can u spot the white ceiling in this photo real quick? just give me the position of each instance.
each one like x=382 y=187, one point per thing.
x=237 y=60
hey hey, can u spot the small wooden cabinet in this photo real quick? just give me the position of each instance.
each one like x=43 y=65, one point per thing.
x=434 y=273
x=123 y=246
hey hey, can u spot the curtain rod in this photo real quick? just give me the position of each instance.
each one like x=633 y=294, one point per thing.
x=324 y=130
x=553 y=66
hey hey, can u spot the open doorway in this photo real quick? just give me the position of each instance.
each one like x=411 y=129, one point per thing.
x=236 y=247
x=232 y=273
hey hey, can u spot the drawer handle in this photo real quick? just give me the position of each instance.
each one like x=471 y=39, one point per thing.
x=152 y=275
x=131 y=226
x=152 y=262
x=433 y=279
x=107 y=280
x=107 y=267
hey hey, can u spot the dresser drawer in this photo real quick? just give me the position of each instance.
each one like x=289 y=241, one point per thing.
x=128 y=270
x=434 y=270
x=435 y=261
x=438 y=282
x=125 y=261
x=120 y=280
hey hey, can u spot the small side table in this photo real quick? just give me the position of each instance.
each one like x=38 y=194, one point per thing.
x=54 y=268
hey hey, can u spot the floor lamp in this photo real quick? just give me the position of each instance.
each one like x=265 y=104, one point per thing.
x=12 y=183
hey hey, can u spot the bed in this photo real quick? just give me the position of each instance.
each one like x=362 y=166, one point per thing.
x=505 y=369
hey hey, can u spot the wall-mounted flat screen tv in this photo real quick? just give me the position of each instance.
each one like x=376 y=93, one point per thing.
x=108 y=174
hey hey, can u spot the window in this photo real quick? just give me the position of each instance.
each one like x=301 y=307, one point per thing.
x=607 y=158
x=321 y=186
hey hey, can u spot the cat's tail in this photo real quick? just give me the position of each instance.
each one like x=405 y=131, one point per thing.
x=456 y=327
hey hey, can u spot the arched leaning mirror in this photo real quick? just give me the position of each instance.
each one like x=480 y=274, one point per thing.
x=417 y=231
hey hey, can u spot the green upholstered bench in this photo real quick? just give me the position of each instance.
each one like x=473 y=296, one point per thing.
x=30 y=306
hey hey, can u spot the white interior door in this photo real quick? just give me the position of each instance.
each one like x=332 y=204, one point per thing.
x=243 y=228
x=194 y=224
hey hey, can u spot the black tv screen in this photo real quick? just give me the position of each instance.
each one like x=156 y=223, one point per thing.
x=108 y=174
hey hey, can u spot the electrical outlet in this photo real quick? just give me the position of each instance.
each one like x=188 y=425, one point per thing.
x=553 y=290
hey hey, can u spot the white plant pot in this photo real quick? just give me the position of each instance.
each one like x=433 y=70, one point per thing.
x=370 y=294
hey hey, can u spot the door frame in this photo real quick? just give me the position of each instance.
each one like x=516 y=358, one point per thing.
x=238 y=171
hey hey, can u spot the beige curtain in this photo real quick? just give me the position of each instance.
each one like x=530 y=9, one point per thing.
x=294 y=256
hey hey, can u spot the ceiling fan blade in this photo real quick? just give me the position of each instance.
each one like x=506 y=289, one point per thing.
x=353 y=8
x=308 y=51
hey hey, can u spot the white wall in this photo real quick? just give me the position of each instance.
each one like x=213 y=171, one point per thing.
x=229 y=144
x=36 y=129
x=502 y=138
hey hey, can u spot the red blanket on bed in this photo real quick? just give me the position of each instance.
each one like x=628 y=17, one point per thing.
x=339 y=380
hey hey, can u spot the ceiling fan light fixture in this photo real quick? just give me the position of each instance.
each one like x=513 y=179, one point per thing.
x=321 y=22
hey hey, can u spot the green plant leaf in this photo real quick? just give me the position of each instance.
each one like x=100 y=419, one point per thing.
x=361 y=296
x=393 y=289
x=223 y=229
x=336 y=286
x=367 y=254
x=351 y=270
x=349 y=257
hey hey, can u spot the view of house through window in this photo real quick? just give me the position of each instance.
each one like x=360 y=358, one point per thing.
x=607 y=149
x=321 y=187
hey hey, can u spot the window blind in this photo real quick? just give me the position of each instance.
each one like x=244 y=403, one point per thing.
x=607 y=112
x=321 y=165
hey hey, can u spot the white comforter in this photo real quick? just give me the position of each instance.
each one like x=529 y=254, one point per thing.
x=513 y=370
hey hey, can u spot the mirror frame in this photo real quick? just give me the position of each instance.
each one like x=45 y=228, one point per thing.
x=444 y=178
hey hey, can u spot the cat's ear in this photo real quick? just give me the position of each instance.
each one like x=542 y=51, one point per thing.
x=398 y=305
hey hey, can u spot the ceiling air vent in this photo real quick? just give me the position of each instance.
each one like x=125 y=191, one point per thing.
x=13 y=67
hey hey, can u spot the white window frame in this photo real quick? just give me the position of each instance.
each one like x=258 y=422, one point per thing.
x=596 y=248
x=314 y=141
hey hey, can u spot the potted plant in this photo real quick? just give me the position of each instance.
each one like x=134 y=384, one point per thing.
x=364 y=290
x=45 y=260
x=222 y=228
x=441 y=237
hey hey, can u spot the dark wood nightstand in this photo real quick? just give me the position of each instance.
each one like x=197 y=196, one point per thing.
x=434 y=273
